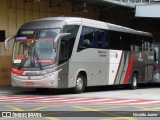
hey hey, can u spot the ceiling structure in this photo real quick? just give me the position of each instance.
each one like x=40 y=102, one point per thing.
x=108 y=9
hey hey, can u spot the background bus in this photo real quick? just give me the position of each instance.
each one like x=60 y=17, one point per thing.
x=156 y=77
x=69 y=52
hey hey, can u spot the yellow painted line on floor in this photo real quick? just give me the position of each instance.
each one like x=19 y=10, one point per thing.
x=98 y=111
x=14 y=108
x=6 y=110
x=85 y=108
x=111 y=107
x=44 y=107
x=105 y=107
x=51 y=118
x=145 y=108
x=4 y=118
x=120 y=118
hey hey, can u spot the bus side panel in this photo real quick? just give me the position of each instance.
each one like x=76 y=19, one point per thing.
x=115 y=65
x=126 y=56
x=63 y=75
x=120 y=67
x=143 y=65
x=128 y=63
x=94 y=62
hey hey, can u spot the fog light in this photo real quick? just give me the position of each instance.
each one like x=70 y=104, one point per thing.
x=52 y=82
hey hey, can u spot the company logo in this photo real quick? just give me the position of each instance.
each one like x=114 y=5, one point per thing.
x=116 y=55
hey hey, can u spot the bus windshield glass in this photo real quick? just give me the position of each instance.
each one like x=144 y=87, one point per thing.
x=34 y=48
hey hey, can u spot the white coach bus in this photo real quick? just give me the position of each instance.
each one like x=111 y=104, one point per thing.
x=70 y=52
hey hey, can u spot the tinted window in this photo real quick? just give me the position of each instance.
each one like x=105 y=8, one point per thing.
x=92 y=38
x=102 y=39
x=148 y=43
x=115 y=41
x=127 y=43
x=142 y=43
x=137 y=42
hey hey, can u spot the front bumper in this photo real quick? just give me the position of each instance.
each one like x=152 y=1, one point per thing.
x=49 y=80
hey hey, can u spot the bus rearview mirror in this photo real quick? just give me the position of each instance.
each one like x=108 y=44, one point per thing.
x=58 y=38
x=6 y=41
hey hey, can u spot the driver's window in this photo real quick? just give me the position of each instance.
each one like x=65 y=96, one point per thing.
x=63 y=50
x=67 y=43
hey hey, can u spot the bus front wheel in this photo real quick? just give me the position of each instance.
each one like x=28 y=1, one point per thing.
x=134 y=81
x=80 y=84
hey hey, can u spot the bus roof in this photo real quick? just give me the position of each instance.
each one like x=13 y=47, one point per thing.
x=61 y=21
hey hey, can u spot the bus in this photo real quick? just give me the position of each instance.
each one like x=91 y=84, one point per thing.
x=156 y=73
x=72 y=52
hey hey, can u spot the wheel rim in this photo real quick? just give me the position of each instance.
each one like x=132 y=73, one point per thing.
x=134 y=81
x=79 y=83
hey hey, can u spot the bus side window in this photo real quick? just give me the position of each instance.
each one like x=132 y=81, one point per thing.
x=127 y=44
x=102 y=41
x=86 y=39
x=92 y=38
x=137 y=43
x=115 y=40
x=149 y=43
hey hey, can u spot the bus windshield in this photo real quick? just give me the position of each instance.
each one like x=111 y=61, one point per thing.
x=34 y=48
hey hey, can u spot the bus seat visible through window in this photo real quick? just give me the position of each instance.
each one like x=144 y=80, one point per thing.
x=87 y=43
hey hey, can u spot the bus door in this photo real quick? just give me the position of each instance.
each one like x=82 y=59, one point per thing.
x=143 y=61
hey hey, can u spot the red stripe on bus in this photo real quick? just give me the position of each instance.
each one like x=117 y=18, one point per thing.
x=129 y=70
x=16 y=71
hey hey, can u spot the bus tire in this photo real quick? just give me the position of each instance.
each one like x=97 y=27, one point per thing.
x=80 y=84
x=134 y=81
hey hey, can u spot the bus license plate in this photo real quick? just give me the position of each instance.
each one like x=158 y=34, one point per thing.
x=29 y=83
